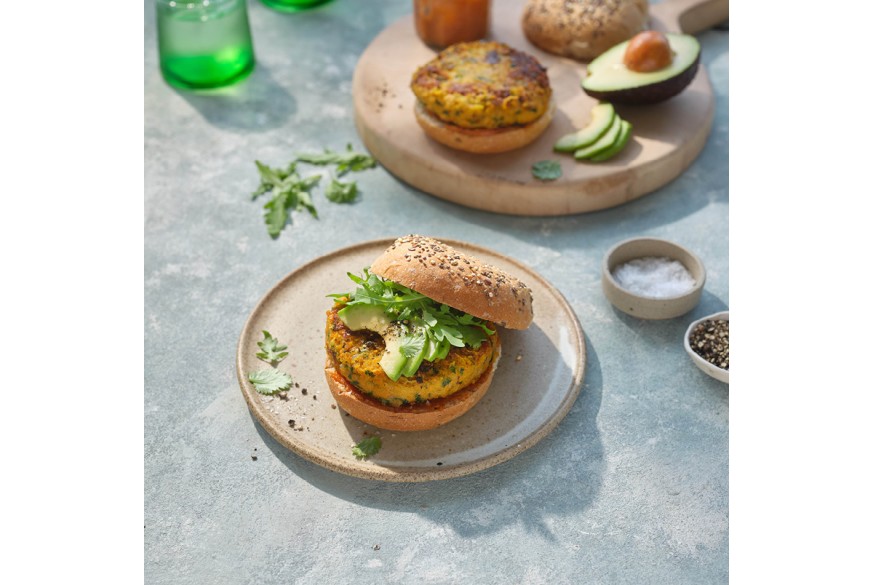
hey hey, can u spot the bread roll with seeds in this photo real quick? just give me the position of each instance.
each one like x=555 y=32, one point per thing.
x=462 y=282
x=582 y=29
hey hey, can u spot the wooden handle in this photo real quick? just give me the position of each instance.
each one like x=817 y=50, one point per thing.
x=691 y=16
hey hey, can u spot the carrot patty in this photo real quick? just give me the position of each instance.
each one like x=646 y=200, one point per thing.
x=483 y=84
x=357 y=355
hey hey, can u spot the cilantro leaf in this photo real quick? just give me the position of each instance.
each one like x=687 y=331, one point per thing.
x=546 y=170
x=410 y=345
x=367 y=447
x=271 y=351
x=270 y=381
x=339 y=192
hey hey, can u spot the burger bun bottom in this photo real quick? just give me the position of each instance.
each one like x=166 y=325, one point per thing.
x=484 y=140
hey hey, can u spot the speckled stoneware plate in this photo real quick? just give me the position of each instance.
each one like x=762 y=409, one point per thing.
x=538 y=379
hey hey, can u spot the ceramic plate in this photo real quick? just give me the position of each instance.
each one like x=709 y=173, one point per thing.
x=538 y=379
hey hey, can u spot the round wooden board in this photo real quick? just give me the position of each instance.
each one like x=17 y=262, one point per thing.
x=666 y=138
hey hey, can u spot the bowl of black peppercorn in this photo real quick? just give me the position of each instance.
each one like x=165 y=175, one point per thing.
x=706 y=341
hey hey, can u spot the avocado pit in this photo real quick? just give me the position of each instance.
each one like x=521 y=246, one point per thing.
x=648 y=51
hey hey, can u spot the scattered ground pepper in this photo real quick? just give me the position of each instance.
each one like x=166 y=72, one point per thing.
x=709 y=340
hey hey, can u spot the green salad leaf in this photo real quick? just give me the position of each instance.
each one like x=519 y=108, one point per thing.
x=429 y=329
x=546 y=170
x=270 y=381
x=367 y=447
x=271 y=351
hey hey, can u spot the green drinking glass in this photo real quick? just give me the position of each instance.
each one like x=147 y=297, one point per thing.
x=293 y=5
x=204 y=44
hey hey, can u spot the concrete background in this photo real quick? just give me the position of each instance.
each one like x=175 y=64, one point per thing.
x=632 y=487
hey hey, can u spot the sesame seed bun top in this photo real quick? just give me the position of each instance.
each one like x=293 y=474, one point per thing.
x=462 y=282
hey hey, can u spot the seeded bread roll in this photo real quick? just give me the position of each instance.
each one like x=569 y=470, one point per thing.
x=412 y=417
x=438 y=271
x=582 y=29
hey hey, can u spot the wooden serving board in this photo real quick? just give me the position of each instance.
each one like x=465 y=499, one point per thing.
x=666 y=138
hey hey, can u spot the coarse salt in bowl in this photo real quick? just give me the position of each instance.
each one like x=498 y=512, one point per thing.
x=651 y=278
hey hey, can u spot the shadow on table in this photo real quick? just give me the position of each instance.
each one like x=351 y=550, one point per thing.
x=560 y=475
x=669 y=333
x=257 y=104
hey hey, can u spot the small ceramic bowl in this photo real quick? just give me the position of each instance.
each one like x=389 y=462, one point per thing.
x=645 y=307
x=711 y=369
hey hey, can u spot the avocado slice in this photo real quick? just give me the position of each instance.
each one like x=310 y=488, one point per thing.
x=602 y=143
x=357 y=317
x=373 y=318
x=608 y=78
x=393 y=360
x=601 y=119
x=617 y=146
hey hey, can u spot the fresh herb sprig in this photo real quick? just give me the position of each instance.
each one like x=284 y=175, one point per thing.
x=272 y=380
x=344 y=161
x=271 y=351
x=546 y=170
x=291 y=192
x=367 y=447
x=428 y=327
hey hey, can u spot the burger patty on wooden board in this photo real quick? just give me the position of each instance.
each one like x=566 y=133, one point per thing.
x=483 y=84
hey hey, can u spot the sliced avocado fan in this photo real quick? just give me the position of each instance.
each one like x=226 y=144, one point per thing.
x=602 y=116
x=604 y=142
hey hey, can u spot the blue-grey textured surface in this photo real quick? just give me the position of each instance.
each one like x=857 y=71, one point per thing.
x=632 y=487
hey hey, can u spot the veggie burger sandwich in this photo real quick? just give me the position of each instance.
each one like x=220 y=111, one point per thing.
x=416 y=344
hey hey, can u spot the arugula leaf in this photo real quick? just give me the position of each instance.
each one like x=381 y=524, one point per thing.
x=367 y=447
x=546 y=170
x=290 y=193
x=270 y=381
x=346 y=161
x=277 y=215
x=339 y=192
x=271 y=351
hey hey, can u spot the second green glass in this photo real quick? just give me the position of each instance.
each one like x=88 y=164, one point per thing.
x=293 y=5
x=204 y=43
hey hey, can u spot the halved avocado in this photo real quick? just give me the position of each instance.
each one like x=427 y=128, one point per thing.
x=602 y=116
x=610 y=80
x=604 y=142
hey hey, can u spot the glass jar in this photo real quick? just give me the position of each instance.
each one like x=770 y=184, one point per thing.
x=440 y=23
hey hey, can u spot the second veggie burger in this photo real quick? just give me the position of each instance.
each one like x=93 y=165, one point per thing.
x=483 y=97
x=416 y=344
